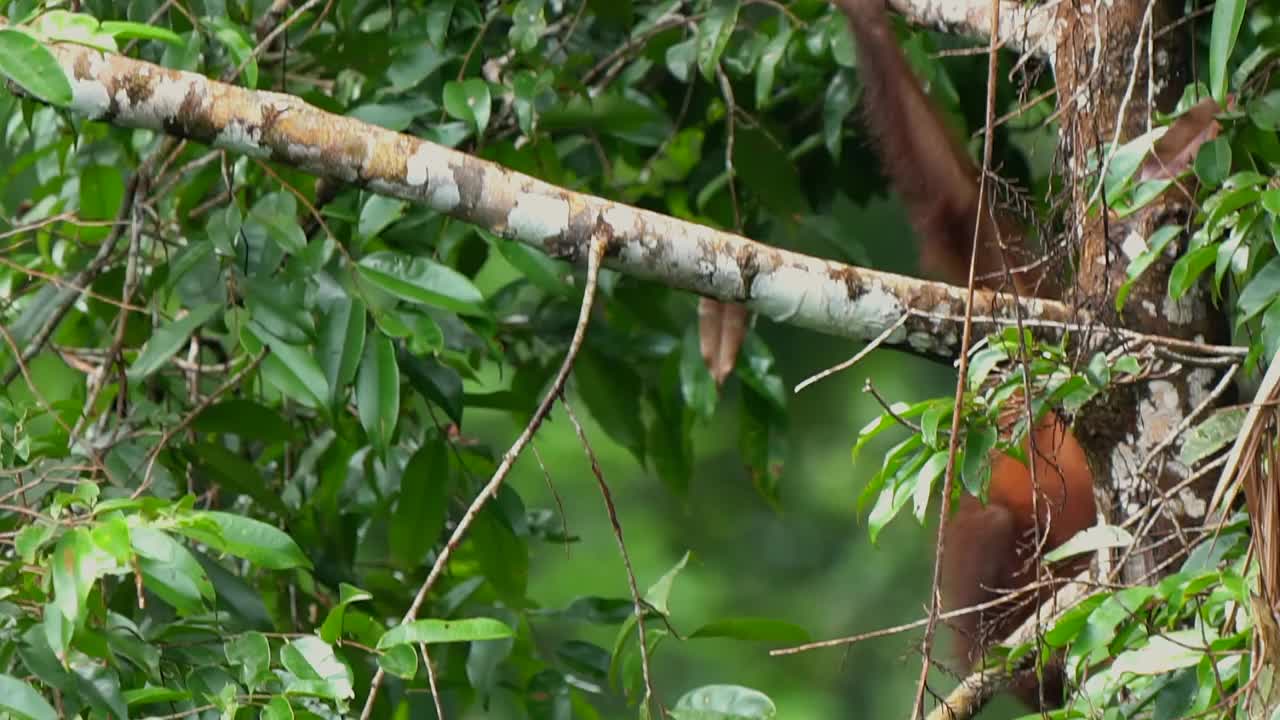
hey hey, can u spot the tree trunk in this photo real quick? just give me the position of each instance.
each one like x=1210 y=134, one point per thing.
x=1114 y=68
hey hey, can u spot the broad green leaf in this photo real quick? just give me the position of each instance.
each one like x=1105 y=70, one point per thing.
x=238 y=43
x=1216 y=432
x=33 y=67
x=767 y=69
x=278 y=709
x=168 y=339
x=246 y=418
x=1090 y=540
x=502 y=554
x=528 y=24
x=469 y=101
x=1261 y=290
x=22 y=701
x=421 y=510
x=251 y=653
x=123 y=29
x=1227 y=16
x=445 y=631
x=280 y=308
x=400 y=660
x=928 y=477
x=292 y=368
x=756 y=629
x=421 y=280
x=74 y=571
x=724 y=702
x=378 y=390
x=31 y=538
x=659 y=594
x=714 y=33
x=253 y=540
x=342 y=338
x=318 y=670
x=378 y=212
x=170 y=571
x=332 y=627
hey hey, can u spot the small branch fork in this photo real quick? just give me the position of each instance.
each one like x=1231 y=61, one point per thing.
x=600 y=241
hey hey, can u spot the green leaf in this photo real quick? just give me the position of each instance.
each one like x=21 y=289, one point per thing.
x=251 y=653
x=1090 y=540
x=1227 y=16
x=659 y=594
x=767 y=70
x=445 y=631
x=168 y=340
x=277 y=214
x=1263 y=288
x=1217 y=431
x=280 y=307
x=503 y=555
x=714 y=33
x=1189 y=268
x=291 y=368
x=378 y=391
x=318 y=670
x=237 y=475
x=928 y=477
x=238 y=43
x=1213 y=162
x=341 y=345
x=253 y=540
x=31 y=65
x=756 y=629
x=31 y=538
x=22 y=701
x=278 y=709
x=421 y=280
x=246 y=418
x=74 y=572
x=469 y=101
x=123 y=29
x=170 y=571
x=1265 y=111
x=421 y=509
x=400 y=660
x=529 y=23
x=976 y=472
x=332 y=627
x=724 y=702
x=378 y=212
x=1155 y=248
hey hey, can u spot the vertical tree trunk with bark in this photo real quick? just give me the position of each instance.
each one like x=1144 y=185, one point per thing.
x=1116 y=64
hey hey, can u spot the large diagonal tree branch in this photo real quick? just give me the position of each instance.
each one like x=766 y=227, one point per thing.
x=1031 y=28
x=819 y=294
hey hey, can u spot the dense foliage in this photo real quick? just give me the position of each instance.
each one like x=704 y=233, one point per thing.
x=243 y=409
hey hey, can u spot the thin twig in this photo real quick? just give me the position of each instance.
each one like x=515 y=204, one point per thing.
x=857 y=358
x=636 y=601
x=190 y=417
x=953 y=443
x=600 y=240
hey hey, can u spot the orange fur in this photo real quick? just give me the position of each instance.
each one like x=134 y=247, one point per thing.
x=989 y=548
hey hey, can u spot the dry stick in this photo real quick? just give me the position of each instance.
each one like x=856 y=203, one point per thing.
x=431 y=681
x=636 y=601
x=905 y=627
x=599 y=243
x=972 y=693
x=953 y=443
x=67 y=296
x=190 y=417
x=857 y=358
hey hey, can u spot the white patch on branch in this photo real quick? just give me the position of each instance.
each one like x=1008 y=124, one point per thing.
x=538 y=217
